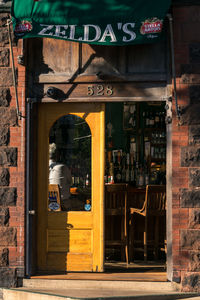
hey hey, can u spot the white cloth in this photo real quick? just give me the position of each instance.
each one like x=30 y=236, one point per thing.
x=60 y=174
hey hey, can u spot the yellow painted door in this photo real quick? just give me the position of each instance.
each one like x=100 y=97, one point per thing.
x=70 y=240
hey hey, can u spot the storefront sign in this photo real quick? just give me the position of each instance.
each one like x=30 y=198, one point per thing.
x=104 y=22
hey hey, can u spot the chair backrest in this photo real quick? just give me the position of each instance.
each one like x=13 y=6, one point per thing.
x=155 y=201
x=115 y=197
x=136 y=197
x=54 y=197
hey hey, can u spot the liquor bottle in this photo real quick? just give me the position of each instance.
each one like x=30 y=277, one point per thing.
x=133 y=146
x=136 y=172
x=141 y=177
x=76 y=178
x=73 y=174
x=106 y=173
x=106 y=167
x=127 y=168
x=118 y=176
x=152 y=152
x=132 y=171
x=157 y=120
x=118 y=169
x=87 y=180
x=110 y=143
x=162 y=119
x=144 y=118
x=123 y=171
x=111 y=174
x=151 y=119
x=115 y=164
x=147 y=119
x=147 y=147
x=146 y=174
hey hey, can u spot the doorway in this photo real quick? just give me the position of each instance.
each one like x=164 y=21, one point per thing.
x=70 y=218
x=135 y=156
x=70 y=236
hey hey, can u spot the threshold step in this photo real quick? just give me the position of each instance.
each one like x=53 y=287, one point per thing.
x=90 y=294
x=99 y=284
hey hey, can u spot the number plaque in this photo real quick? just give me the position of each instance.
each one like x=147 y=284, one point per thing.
x=100 y=90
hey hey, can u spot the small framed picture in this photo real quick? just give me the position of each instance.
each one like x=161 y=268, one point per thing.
x=129 y=116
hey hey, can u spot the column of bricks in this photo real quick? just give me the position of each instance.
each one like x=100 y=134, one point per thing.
x=186 y=150
x=12 y=163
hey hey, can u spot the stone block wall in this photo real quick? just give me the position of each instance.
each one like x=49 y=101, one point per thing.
x=12 y=163
x=185 y=156
x=186 y=150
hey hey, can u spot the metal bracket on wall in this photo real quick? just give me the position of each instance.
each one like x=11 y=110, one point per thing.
x=19 y=114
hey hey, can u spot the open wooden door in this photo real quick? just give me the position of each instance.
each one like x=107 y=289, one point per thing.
x=70 y=240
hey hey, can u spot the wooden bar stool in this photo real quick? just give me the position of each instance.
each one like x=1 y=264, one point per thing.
x=154 y=205
x=116 y=206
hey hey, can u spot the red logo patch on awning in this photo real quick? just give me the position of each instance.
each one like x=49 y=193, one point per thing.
x=153 y=25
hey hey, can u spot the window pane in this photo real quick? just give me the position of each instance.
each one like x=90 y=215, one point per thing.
x=70 y=163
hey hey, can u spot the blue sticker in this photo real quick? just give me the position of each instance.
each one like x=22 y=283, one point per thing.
x=54 y=206
x=87 y=207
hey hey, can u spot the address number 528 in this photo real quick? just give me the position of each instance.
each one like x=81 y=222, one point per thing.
x=99 y=90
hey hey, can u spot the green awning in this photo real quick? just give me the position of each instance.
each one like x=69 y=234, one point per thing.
x=101 y=22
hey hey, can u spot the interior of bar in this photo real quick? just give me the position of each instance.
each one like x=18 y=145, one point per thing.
x=134 y=177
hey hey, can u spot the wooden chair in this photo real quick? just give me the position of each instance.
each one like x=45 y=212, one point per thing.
x=54 y=198
x=116 y=218
x=154 y=206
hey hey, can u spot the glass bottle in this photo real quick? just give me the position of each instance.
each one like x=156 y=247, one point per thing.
x=146 y=174
x=87 y=180
x=141 y=177
x=132 y=171
x=111 y=174
x=118 y=170
x=123 y=170
x=157 y=120
x=147 y=119
x=127 y=168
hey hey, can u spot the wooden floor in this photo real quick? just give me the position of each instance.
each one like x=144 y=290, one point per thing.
x=117 y=272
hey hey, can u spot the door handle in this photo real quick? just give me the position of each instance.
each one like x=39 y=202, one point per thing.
x=69 y=226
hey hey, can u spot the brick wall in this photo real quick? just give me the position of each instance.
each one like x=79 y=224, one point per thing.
x=186 y=150
x=185 y=164
x=12 y=159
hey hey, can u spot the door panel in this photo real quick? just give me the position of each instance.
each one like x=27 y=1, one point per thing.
x=71 y=240
x=71 y=262
x=80 y=240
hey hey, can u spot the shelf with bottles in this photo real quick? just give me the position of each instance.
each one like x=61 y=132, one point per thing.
x=81 y=177
x=120 y=167
x=155 y=145
x=125 y=168
x=153 y=117
x=132 y=159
